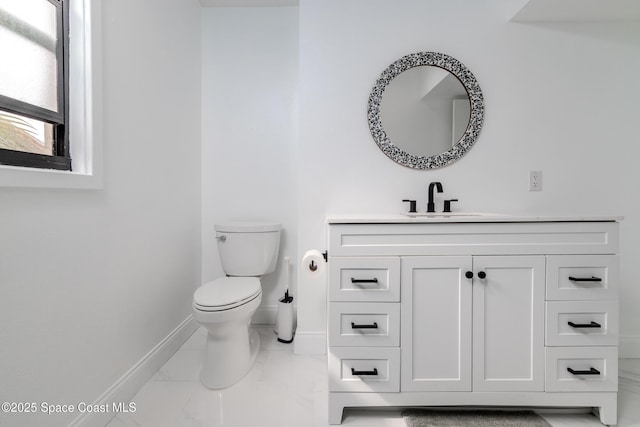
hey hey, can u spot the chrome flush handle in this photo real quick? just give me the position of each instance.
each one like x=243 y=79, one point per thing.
x=222 y=238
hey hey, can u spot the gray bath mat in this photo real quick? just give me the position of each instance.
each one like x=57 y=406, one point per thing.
x=461 y=418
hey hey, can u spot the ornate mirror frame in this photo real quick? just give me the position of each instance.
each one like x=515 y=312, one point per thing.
x=470 y=135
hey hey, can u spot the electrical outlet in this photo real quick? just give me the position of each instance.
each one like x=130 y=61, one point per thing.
x=535 y=181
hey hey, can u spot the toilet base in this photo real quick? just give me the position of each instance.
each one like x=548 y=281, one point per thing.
x=232 y=345
x=227 y=363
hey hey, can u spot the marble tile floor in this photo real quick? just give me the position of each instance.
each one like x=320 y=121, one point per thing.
x=287 y=390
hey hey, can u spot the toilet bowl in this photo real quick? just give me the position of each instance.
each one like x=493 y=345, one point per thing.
x=226 y=305
x=231 y=345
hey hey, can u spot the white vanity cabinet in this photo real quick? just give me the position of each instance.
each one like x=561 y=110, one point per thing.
x=492 y=313
x=488 y=332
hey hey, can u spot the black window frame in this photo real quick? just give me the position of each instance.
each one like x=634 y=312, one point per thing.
x=61 y=156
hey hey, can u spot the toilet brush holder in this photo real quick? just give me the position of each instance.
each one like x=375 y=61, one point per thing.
x=284 y=322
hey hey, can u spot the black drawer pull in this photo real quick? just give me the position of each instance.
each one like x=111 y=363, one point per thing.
x=585 y=325
x=592 y=371
x=585 y=279
x=373 y=326
x=374 y=280
x=374 y=372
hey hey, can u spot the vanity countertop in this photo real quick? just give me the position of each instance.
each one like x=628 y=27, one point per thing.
x=463 y=217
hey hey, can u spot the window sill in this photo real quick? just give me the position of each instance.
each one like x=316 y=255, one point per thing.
x=18 y=177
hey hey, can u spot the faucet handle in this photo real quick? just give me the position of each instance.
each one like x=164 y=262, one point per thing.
x=412 y=205
x=447 y=205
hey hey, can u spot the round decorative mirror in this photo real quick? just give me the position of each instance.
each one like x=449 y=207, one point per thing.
x=426 y=110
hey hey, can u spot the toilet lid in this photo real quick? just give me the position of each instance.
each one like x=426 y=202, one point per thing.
x=226 y=291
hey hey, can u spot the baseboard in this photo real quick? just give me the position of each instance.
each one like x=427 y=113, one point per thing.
x=629 y=347
x=265 y=316
x=310 y=343
x=629 y=381
x=125 y=388
x=269 y=316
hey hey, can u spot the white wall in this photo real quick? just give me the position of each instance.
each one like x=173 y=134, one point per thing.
x=249 y=107
x=91 y=281
x=560 y=98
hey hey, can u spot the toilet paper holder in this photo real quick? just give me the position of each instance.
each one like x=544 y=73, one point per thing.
x=313 y=266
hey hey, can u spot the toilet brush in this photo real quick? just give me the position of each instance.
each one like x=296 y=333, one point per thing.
x=284 y=317
x=285 y=270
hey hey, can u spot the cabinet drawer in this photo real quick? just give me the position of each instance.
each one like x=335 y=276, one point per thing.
x=364 y=279
x=582 y=277
x=364 y=324
x=581 y=323
x=595 y=369
x=364 y=369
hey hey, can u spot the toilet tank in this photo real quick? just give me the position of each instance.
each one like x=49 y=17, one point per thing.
x=248 y=248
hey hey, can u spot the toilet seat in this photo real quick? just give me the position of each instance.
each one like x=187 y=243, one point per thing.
x=226 y=293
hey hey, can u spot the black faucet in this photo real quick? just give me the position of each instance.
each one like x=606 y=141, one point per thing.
x=431 y=206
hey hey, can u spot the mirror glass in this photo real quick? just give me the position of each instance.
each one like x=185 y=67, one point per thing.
x=426 y=110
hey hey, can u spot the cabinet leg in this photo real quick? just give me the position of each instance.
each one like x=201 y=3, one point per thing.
x=335 y=412
x=609 y=413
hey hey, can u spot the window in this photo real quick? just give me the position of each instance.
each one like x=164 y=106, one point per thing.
x=34 y=93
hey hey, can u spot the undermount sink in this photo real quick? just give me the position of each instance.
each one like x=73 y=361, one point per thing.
x=450 y=214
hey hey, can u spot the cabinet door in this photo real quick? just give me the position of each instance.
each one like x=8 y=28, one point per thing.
x=436 y=323
x=508 y=323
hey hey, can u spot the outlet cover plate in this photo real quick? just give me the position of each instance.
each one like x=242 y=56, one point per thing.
x=535 y=181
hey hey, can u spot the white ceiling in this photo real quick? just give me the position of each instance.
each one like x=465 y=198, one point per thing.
x=247 y=3
x=578 y=10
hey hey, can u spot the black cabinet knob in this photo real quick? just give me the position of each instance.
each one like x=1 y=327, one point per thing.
x=468 y=275
x=482 y=274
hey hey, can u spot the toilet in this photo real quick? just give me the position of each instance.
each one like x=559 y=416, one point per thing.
x=247 y=250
